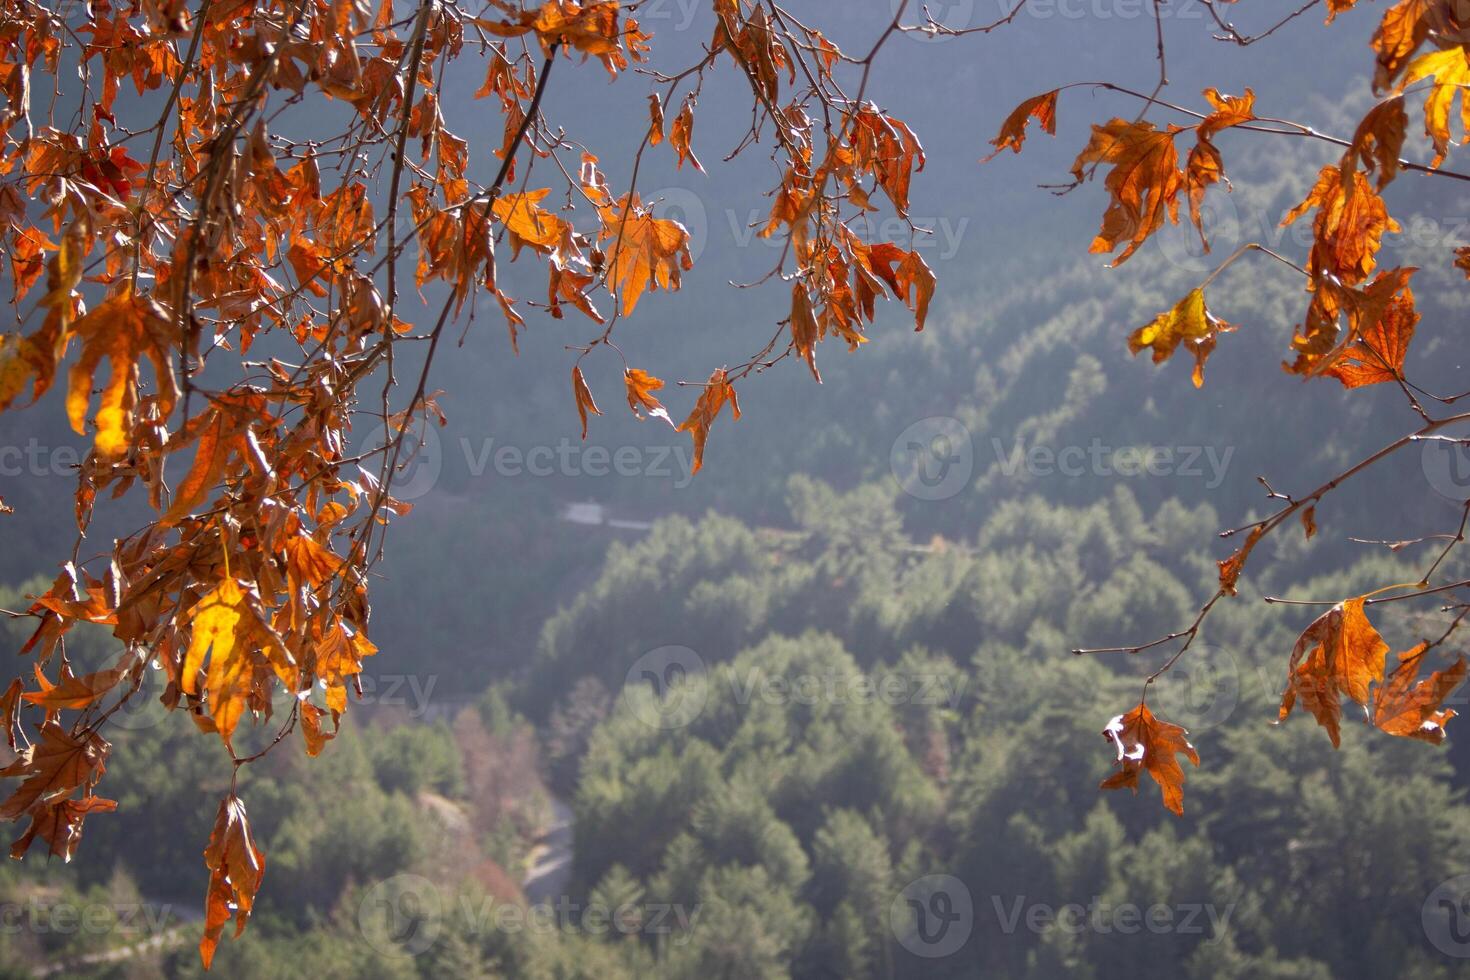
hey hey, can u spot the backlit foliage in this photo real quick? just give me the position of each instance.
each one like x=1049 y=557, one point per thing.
x=213 y=201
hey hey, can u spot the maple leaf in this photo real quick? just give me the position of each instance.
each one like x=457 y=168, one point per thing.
x=1399 y=34
x=1343 y=657
x=1145 y=743
x=73 y=691
x=527 y=222
x=224 y=433
x=1144 y=182
x=1411 y=708
x=717 y=391
x=59 y=824
x=124 y=329
x=1379 y=139
x=1349 y=225
x=647 y=252
x=583 y=395
x=228 y=630
x=53 y=767
x=1321 y=343
x=641 y=385
x=1378 y=353
x=1042 y=108
x=591 y=28
x=1189 y=323
x=1204 y=166
x=1450 y=69
x=236 y=867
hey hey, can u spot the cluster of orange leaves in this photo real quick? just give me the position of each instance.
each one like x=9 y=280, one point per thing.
x=158 y=250
x=1357 y=329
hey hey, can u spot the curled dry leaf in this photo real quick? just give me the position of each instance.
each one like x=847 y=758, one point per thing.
x=236 y=866
x=1339 y=655
x=583 y=395
x=1412 y=708
x=1189 y=323
x=1145 y=743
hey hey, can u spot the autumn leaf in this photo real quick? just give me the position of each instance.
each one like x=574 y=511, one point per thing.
x=1204 y=166
x=223 y=627
x=1042 y=108
x=1379 y=139
x=53 y=767
x=1230 y=568
x=23 y=363
x=236 y=867
x=717 y=391
x=1145 y=743
x=1349 y=225
x=1399 y=34
x=1144 y=181
x=641 y=385
x=527 y=222
x=646 y=252
x=59 y=824
x=682 y=132
x=1409 y=707
x=312 y=731
x=583 y=395
x=655 y=119
x=73 y=691
x=1188 y=323
x=1339 y=655
x=1379 y=352
x=124 y=329
x=1450 y=69
x=1309 y=522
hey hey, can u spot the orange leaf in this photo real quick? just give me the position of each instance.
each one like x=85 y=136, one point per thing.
x=641 y=385
x=716 y=393
x=1343 y=657
x=1042 y=108
x=236 y=866
x=1145 y=743
x=682 y=132
x=1144 y=183
x=1190 y=323
x=583 y=394
x=1410 y=708
x=59 y=824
